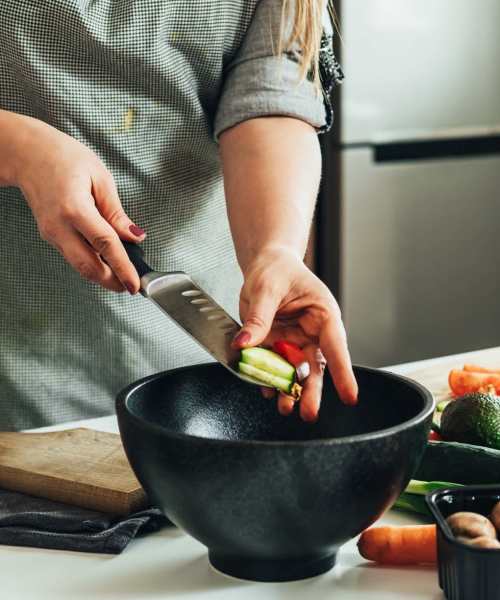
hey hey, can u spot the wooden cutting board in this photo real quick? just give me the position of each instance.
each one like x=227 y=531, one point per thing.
x=435 y=378
x=81 y=467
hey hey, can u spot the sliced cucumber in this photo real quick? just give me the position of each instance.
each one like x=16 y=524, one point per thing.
x=285 y=385
x=269 y=361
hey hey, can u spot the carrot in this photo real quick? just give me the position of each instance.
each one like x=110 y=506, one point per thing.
x=478 y=369
x=466 y=382
x=408 y=545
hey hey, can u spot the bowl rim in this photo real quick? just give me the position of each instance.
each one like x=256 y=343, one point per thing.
x=126 y=393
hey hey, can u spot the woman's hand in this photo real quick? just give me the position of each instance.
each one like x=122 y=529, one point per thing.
x=75 y=203
x=282 y=299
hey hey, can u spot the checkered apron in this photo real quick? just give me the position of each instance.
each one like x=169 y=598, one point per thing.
x=137 y=81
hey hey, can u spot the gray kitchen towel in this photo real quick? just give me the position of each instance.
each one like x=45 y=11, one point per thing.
x=40 y=523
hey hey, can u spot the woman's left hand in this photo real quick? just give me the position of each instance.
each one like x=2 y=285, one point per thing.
x=282 y=299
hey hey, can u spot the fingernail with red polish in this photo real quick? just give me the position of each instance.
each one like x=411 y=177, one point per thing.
x=242 y=338
x=130 y=288
x=137 y=231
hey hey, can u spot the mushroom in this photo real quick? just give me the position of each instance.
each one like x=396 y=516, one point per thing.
x=495 y=516
x=481 y=542
x=469 y=525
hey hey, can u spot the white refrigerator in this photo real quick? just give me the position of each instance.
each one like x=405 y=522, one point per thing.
x=409 y=213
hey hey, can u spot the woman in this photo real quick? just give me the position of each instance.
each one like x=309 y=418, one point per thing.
x=127 y=119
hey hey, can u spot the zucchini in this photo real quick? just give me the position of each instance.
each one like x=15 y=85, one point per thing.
x=285 y=385
x=269 y=361
x=461 y=463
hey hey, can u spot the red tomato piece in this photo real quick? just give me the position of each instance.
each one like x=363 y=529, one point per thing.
x=295 y=356
x=478 y=369
x=290 y=352
x=467 y=382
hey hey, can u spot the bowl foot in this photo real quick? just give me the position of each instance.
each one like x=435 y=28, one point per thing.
x=272 y=570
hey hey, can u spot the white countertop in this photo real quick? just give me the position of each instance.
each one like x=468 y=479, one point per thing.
x=171 y=564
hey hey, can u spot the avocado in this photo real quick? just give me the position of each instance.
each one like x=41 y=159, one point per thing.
x=473 y=419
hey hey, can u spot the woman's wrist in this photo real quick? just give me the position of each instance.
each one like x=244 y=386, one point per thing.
x=268 y=254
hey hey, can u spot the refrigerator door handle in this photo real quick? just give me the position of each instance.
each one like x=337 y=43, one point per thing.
x=438 y=144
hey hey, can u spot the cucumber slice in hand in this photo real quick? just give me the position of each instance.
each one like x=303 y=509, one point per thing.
x=268 y=361
x=280 y=383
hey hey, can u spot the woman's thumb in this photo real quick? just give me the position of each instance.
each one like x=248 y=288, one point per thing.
x=257 y=322
x=108 y=204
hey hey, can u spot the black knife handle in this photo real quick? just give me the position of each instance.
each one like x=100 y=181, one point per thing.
x=136 y=256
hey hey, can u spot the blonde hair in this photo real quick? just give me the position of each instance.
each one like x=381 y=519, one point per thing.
x=306 y=32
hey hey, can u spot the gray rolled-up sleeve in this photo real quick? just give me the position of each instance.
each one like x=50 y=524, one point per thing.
x=259 y=82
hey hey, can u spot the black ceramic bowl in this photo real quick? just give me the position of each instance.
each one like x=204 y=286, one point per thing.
x=271 y=497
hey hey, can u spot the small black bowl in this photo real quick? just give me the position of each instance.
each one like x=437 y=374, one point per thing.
x=465 y=572
x=272 y=497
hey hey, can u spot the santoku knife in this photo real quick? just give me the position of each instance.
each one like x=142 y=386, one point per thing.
x=194 y=311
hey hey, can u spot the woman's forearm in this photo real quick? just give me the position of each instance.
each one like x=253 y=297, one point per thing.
x=12 y=138
x=272 y=169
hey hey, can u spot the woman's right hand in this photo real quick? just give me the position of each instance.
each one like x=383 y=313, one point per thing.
x=75 y=202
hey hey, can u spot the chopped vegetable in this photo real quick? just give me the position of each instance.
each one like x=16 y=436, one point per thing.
x=284 y=385
x=270 y=368
x=478 y=369
x=467 y=382
x=295 y=356
x=269 y=361
x=412 y=544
